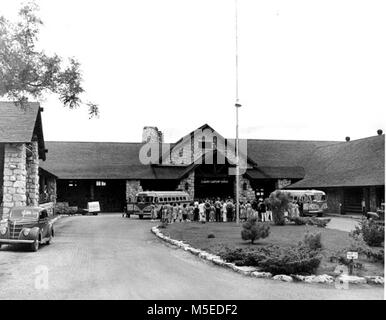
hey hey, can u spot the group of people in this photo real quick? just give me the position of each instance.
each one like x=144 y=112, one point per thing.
x=212 y=210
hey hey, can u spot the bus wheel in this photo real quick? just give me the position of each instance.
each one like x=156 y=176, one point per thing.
x=141 y=216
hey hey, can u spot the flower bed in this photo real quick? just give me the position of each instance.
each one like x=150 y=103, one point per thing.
x=227 y=235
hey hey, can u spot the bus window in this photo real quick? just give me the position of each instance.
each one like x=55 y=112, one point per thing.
x=169 y=199
x=173 y=199
x=156 y=200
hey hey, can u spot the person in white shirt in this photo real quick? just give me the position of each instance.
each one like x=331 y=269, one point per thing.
x=201 y=208
x=224 y=212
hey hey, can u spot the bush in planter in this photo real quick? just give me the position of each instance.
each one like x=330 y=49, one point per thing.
x=370 y=231
x=254 y=230
x=313 y=240
x=279 y=202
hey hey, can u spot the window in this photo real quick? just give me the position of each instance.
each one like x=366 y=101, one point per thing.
x=181 y=152
x=101 y=183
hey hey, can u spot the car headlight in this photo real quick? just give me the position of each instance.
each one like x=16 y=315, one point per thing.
x=26 y=231
x=3 y=230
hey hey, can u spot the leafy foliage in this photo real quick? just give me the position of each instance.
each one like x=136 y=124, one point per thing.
x=277 y=260
x=27 y=72
x=254 y=230
x=312 y=221
x=279 y=202
x=313 y=240
x=372 y=232
x=363 y=249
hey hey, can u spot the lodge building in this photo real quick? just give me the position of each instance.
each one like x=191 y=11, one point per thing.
x=201 y=163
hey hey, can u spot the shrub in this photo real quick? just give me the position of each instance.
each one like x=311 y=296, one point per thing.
x=321 y=223
x=299 y=221
x=279 y=202
x=163 y=225
x=275 y=259
x=254 y=230
x=291 y=260
x=211 y=236
x=312 y=221
x=313 y=240
x=372 y=232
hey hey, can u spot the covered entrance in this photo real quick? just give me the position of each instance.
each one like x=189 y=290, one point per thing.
x=111 y=194
x=212 y=181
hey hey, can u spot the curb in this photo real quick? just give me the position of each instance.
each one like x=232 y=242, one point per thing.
x=253 y=272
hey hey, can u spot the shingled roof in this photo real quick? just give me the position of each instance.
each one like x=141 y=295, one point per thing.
x=355 y=163
x=19 y=124
x=320 y=163
x=102 y=160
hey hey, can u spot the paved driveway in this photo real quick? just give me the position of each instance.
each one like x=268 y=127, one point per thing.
x=110 y=257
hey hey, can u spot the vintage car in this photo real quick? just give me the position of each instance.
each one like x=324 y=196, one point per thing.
x=27 y=225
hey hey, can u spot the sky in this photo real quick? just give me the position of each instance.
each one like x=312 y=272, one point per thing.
x=308 y=70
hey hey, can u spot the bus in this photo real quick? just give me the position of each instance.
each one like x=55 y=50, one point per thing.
x=311 y=202
x=145 y=201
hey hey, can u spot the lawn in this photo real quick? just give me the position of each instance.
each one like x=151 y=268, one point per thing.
x=228 y=235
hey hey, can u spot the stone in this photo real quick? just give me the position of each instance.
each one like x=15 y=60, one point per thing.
x=264 y=275
x=352 y=279
x=283 y=277
x=7 y=198
x=20 y=197
x=324 y=278
x=375 y=280
x=246 y=269
x=11 y=190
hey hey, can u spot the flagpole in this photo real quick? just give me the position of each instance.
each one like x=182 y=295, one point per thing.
x=237 y=105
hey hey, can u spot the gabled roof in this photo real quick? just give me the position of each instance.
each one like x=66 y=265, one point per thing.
x=355 y=163
x=205 y=126
x=20 y=124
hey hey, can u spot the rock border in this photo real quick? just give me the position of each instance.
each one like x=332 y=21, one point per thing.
x=253 y=272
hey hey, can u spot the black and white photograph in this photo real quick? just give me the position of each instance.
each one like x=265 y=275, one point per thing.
x=190 y=150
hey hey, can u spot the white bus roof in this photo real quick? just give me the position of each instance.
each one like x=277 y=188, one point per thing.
x=162 y=193
x=303 y=191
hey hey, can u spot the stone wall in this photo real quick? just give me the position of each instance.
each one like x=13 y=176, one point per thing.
x=188 y=181
x=132 y=188
x=152 y=134
x=15 y=177
x=32 y=182
x=246 y=191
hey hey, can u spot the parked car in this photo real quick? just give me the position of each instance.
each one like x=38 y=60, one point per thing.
x=27 y=225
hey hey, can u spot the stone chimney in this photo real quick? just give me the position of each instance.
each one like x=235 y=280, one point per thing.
x=152 y=134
